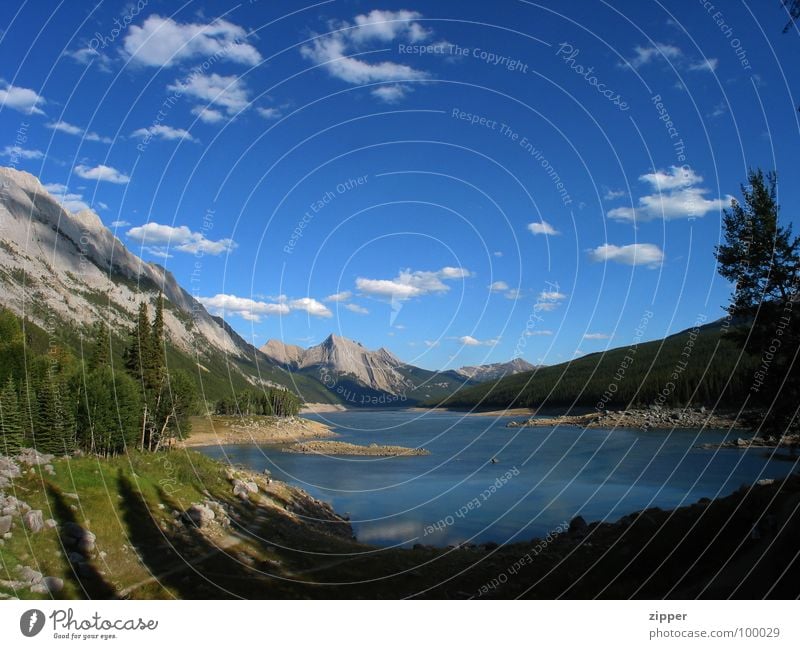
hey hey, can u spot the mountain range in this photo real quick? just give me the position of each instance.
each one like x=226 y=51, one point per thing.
x=64 y=271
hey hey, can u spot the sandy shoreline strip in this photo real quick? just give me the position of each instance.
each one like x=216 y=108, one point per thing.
x=219 y=430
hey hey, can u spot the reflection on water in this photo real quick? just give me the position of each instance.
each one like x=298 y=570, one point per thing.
x=542 y=476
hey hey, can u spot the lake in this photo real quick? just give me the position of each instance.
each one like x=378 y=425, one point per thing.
x=542 y=478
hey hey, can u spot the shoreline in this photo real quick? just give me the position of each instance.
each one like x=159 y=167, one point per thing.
x=221 y=430
x=643 y=418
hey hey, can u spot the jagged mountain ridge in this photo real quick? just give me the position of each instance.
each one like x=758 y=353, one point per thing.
x=494 y=371
x=339 y=359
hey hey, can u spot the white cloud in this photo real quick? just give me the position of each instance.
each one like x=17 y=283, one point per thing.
x=538 y=332
x=614 y=194
x=431 y=343
x=89 y=55
x=409 y=284
x=119 y=224
x=704 y=65
x=645 y=54
x=181 y=238
x=392 y=93
x=249 y=309
x=551 y=296
x=676 y=196
x=501 y=287
x=24 y=100
x=71 y=201
x=269 y=113
x=71 y=129
x=542 y=227
x=469 y=341
x=18 y=153
x=163 y=132
x=338 y=51
x=102 y=173
x=634 y=254
x=310 y=306
x=339 y=297
x=498 y=253
x=163 y=42
x=596 y=336
x=227 y=92
x=355 y=308
x=208 y=115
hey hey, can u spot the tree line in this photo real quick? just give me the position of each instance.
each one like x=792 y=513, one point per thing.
x=278 y=402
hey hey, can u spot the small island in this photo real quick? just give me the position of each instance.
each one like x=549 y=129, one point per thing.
x=345 y=448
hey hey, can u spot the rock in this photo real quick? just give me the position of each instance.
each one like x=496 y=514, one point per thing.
x=8 y=469
x=49 y=469
x=66 y=494
x=252 y=487
x=200 y=515
x=87 y=543
x=5 y=524
x=577 y=524
x=48 y=585
x=240 y=490
x=765 y=482
x=741 y=442
x=72 y=530
x=50 y=524
x=32 y=457
x=33 y=520
x=76 y=557
x=29 y=575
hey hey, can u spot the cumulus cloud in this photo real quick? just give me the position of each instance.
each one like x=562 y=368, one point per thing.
x=469 y=341
x=596 y=336
x=156 y=236
x=120 y=224
x=102 y=173
x=508 y=292
x=645 y=54
x=339 y=297
x=392 y=93
x=228 y=93
x=18 y=153
x=247 y=308
x=614 y=194
x=163 y=42
x=542 y=227
x=208 y=115
x=21 y=99
x=70 y=200
x=676 y=194
x=163 y=132
x=338 y=51
x=538 y=332
x=310 y=306
x=269 y=113
x=355 y=308
x=409 y=284
x=634 y=254
x=71 y=129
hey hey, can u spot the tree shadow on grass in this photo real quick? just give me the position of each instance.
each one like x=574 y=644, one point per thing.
x=181 y=558
x=84 y=575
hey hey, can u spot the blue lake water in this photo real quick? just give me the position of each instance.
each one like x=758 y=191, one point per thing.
x=542 y=478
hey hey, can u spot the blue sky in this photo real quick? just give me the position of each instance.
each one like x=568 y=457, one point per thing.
x=458 y=184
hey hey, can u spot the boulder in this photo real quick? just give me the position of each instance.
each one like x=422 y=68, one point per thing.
x=200 y=515
x=5 y=524
x=252 y=487
x=48 y=585
x=29 y=575
x=32 y=457
x=33 y=520
x=86 y=544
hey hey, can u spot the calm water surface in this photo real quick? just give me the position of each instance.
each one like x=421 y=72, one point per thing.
x=542 y=476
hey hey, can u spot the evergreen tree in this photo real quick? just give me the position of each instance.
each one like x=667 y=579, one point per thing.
x=138 y=344
x=11 y=425
x=108 y=412
x=100 y=355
